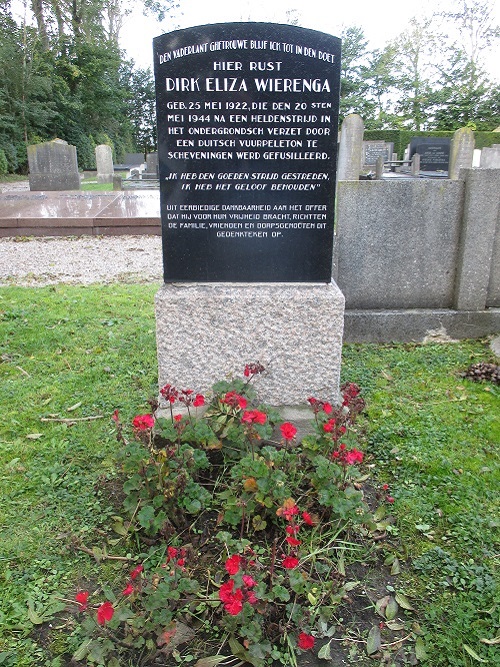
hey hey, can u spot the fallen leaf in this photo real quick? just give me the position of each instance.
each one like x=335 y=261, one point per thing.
x=373 y=642
x=473 y=654
x=173 y=636
x=491 y=642
x=34 y=436
x=403 y=601
x=74 y=407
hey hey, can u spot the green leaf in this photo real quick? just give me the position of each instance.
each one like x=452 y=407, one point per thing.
x=420 y=651
x=324 y=652
x=404 y=602
x=373 y=642
x=146 y=516
x=312 y=599
x=34 y=617
x=396 y=567
x=391 y=610
x=473 y=654
x=82 y=651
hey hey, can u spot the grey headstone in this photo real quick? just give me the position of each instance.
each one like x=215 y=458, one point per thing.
x=351 y=144
x=462 y=152
x=134 y=159
x=152 y=164
x=490 y=157
x=104 y=161
x=53 y=166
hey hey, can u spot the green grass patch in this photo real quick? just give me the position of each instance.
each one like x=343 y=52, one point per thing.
x=79 y=353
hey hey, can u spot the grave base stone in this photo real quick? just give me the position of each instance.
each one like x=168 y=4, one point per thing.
x=207 y=332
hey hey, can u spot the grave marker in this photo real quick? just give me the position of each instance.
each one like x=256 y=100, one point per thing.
x=434 y=152
x=53 y=165
x=104 y=162
x=247 y=133
x=372 y=150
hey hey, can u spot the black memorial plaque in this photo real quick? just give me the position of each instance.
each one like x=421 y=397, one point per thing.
x=247 y=137
x=434 y=152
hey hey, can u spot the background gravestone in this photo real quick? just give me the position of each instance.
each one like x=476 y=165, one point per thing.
x=104 y=162
x=53 y=166
x=372 y=150
x=434 y=152
x=247 y=134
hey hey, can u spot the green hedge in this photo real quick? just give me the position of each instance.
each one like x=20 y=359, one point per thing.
x=401 y=138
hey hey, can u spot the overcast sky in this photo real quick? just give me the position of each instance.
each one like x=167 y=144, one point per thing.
x=381 y=20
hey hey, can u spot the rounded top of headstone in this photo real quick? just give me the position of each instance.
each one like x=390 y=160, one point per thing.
x=59 y=141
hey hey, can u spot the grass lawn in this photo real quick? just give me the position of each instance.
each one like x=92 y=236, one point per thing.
x=79 y=353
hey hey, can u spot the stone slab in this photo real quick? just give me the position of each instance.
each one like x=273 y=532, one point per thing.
x=144 y=205
x=47 y=213
x=206 y=332
x=405 y=326
x=481 y=224
x=397 y=242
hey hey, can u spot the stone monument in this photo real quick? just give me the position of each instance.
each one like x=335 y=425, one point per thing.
x=53 y=166
x=104 y=162
x=247 y=132
x=462 y=152
x=434 y=153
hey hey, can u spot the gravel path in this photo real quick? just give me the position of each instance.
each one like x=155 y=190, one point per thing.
x=80 y=260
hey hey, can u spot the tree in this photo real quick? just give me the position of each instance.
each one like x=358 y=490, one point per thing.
x=467 y=96
x=353 y=87
x=379 y=75
x=141 y=109
x=415 y=51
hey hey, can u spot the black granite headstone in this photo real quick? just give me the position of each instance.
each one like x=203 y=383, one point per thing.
x=247 y=137
x=434 y=152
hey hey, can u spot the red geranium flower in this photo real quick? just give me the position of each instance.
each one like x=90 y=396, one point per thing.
x=306 y=517
x=288 y=431
x=254 y=417
x=128 y=590
x=327 y=408
x=389 y=499
x=253 y=369
x=353 y=456
x=169 y=393
x=249 y=581
x=305 y=642
x=172 y=552
x=233 y=602
x=232 y=564
x=115 y=416
x=177 y=418
x=235 y=605
x=235 y=400
x=251 y=597
x=143 y=422
x=290 y=562
x=293 y=541
x=199 y=400
x=329 y=426
x=82 y=599
x=105 y=613
x=136 y=571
